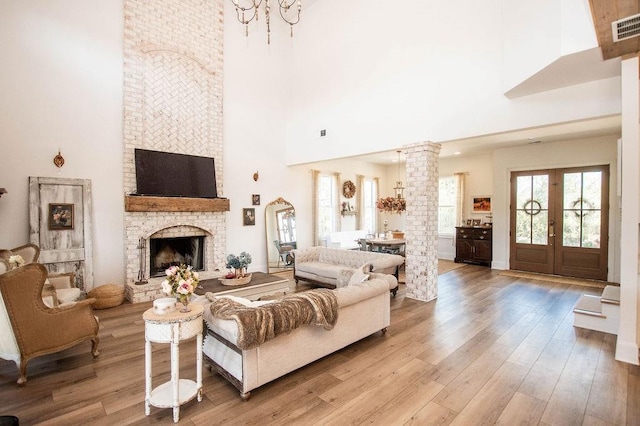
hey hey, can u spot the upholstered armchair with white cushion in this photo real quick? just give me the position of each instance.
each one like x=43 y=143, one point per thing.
x=28 y=328
x=28 y=252
x=59 y=290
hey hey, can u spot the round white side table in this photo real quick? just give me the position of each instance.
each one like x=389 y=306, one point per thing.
x=172 y=328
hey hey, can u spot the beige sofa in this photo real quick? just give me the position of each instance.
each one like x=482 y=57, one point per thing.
x=333 y=268
x=363 y=309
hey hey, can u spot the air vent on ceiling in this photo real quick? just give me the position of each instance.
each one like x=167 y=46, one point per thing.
x=626 y=28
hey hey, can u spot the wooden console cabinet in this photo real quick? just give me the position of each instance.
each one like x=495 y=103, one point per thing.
x=473 y=245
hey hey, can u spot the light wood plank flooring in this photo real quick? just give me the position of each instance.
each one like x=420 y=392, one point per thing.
x=490 y=350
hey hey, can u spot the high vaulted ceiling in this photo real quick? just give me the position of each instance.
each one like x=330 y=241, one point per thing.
x=604 y=12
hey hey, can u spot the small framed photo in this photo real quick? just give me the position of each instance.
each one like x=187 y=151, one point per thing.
x=249 y=217
x=469 y=222
x=255 y=199
x=476 y=222
x=481 y=204
x=60 y=216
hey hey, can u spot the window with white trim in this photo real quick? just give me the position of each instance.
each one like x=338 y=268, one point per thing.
x=327 y=204
x=369 y=211
x=446 y=205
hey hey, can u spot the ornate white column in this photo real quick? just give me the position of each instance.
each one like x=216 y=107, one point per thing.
x=421 y=231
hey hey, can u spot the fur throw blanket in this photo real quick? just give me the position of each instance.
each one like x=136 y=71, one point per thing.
x=259 y=324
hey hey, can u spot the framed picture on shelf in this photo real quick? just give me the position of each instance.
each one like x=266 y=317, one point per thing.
x=255 y=199
x=249 y=217
x=60 y=216
x=476 y=222
x=469 y=222
x=481 y=204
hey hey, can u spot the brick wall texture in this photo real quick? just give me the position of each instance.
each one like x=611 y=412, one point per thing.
x=421 y=229
x=173 y=67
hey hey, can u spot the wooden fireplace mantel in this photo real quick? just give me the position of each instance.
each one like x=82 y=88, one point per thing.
x=140 y=203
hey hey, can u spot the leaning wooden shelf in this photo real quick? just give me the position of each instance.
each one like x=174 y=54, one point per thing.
x=135 y=203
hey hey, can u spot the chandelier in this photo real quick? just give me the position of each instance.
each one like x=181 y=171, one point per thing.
x=399 y=188
x=246 y=14
x=395 y=204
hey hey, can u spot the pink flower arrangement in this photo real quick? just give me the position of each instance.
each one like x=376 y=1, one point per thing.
x=181 y=282
x=391 y=204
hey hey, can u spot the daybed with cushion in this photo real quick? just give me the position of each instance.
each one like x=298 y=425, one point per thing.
x=333 y=268
x=250 y=344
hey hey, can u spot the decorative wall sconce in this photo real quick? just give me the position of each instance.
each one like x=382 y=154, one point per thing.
x=58 y=160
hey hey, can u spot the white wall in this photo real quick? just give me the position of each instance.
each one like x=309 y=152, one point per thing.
x=629 y=330
x=255 y=95
x=554 y=155
x=61 y=86
x=479 y=182
x=381 y=76
x=560 y=28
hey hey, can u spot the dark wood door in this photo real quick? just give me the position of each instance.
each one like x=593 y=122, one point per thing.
x=532 y=247
x=560 y=220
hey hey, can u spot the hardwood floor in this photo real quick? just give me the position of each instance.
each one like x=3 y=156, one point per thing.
x=490 y=350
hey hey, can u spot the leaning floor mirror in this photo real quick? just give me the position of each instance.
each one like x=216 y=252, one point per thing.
x=280 y=227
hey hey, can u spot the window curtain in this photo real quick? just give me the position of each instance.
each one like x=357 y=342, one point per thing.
x=359 y=200
x=314 y=207
x=376 y=181
x=460 y=184
x=336 y=203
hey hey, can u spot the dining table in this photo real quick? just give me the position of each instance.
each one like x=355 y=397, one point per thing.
x=386 y=245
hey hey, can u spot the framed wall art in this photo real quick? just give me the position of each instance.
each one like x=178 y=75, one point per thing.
x=255 y=199
x=249 y=217
x=481 y=204
x=60 y=216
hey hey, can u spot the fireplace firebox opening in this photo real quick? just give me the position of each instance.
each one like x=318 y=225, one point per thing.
x=166 y=252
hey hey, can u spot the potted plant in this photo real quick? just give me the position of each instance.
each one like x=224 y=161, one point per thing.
x=237 y=266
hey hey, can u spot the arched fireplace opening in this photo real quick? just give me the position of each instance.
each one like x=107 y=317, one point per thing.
x=166 y=252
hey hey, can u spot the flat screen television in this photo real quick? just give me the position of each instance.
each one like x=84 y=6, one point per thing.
x=167 y=174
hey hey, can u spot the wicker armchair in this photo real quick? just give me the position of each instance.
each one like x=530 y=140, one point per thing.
x=28 y=328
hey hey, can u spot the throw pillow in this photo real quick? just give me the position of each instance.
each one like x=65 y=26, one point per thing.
x=358 y=276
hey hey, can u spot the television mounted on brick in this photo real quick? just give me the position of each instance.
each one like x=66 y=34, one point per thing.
x=167 y=174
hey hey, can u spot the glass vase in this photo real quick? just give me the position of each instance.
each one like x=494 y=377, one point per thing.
x=184 y=300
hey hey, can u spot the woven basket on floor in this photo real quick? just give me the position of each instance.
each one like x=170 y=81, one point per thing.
x=107 y=296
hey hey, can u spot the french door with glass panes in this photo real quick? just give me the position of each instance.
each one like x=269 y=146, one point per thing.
x=560 y=221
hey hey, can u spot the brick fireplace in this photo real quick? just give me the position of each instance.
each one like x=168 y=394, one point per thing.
x=172 y=103
x=212 y=250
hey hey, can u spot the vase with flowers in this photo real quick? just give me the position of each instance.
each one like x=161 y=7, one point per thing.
x=237 y=266
x=181 y=283
x=391 y=204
